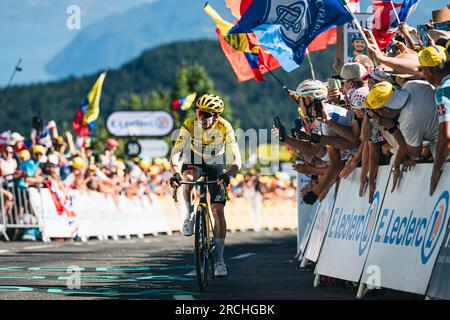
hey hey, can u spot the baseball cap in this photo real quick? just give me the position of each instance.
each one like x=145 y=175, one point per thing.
x=357 y=36
x=353 y=71
x=379 y=73
x=39 y=149
x=14 y=138
x=432 y=56
x=53 y=159
x=357 y=97
x=383 y=94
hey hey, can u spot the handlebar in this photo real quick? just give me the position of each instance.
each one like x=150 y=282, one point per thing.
x=199 y=183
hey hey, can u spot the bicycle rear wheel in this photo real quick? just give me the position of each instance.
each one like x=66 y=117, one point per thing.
x=202 y=254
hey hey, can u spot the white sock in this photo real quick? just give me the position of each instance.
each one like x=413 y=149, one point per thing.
x=220 y=246
x=189 y=209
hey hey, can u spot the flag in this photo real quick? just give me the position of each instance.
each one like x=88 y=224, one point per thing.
x=184 y=103
x=88 y=112
x=385 y=21
x=323 y=40
x=407 y=8
x=247 y=59
x=286 y=27
x=354 y=5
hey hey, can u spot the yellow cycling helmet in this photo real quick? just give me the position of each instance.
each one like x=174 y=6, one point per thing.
x=78 y=163
x=210 y=103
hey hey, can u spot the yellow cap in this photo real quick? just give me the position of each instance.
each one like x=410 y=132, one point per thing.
x=143 y=164
x=432 y=56
x=93 y=167
x=78 y=163
x=154 y=170
x=24 y=154
x=39 y=149
x=379 y=95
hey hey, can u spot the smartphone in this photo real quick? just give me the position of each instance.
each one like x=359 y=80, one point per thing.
x=318 y=108
x=298 y=125
x=277 y=122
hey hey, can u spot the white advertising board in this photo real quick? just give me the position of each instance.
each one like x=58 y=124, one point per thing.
x=140 y=123
x=409 y=232
x=351 y=228
x=320 y=226
x=153 y=148
x=305 y=214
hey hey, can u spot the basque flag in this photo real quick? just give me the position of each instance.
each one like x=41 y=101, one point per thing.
x=286 y=27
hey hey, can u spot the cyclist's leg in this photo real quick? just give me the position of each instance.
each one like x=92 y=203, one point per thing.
x=218 y=201
x=190 y=173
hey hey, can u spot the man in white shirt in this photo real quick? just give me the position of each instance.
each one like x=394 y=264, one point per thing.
x=412 y=107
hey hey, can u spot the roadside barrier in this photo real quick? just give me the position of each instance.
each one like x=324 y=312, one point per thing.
x=88 y=214
x=399 y=241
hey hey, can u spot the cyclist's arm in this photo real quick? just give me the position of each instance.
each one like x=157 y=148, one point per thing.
x=236 y=163
x=175 y=156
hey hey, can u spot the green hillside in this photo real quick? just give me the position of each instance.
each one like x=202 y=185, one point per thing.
x=254 y=103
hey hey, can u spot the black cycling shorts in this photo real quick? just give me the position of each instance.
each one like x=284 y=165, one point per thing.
x=213 y=171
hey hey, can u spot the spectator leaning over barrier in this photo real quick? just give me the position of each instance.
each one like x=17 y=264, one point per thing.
x=412 y=108
x=436 y=69
x=352 y=74
x=335 y=125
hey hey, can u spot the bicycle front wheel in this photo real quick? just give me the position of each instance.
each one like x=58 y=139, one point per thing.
x=201 y=248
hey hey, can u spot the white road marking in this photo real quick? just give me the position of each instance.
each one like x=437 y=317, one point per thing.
x=242 y=256
x=41 y=247
x=192 y=273
x=183 y=297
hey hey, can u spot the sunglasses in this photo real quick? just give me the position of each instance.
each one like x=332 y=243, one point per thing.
x=204 y=114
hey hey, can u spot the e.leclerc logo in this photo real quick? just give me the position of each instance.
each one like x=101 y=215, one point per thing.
x=162 y=122
x=355 y=226
x=414 y=231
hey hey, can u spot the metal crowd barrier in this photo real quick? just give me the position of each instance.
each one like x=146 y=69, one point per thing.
x=17 y=214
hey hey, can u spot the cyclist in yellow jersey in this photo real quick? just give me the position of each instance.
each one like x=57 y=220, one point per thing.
x=201 y=147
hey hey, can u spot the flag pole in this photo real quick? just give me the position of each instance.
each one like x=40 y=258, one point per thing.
x=395 y=11
x=310 y=65
x=275 y=77
x=358 y=25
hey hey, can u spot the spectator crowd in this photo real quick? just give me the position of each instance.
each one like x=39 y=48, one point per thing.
x=58 y=162
x=385 y=107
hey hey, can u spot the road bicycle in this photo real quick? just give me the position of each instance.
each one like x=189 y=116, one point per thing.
x=204 y=244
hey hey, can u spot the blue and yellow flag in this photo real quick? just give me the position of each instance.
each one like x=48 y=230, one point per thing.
x=93 y=99
x=84 y=120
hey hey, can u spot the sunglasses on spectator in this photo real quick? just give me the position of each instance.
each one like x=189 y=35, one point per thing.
x=204 y=114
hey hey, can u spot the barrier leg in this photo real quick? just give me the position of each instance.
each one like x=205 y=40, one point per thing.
x=316 y=280
x=140 y=236
x=362 y=290
x=303 y=263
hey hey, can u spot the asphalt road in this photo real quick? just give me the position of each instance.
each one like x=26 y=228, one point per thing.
x=260 y=266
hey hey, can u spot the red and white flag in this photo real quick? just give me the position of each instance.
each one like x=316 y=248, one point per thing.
x=354 y=6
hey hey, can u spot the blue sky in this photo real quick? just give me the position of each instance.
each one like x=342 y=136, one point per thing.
x=35 y=30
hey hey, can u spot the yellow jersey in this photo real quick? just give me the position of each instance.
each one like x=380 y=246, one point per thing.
x=206 y=142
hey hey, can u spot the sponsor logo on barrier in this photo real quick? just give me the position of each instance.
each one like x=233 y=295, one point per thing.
x=413 y=230
x=354 y=226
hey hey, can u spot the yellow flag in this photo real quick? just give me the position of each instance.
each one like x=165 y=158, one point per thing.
x=93 y=98
x=238 y=41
